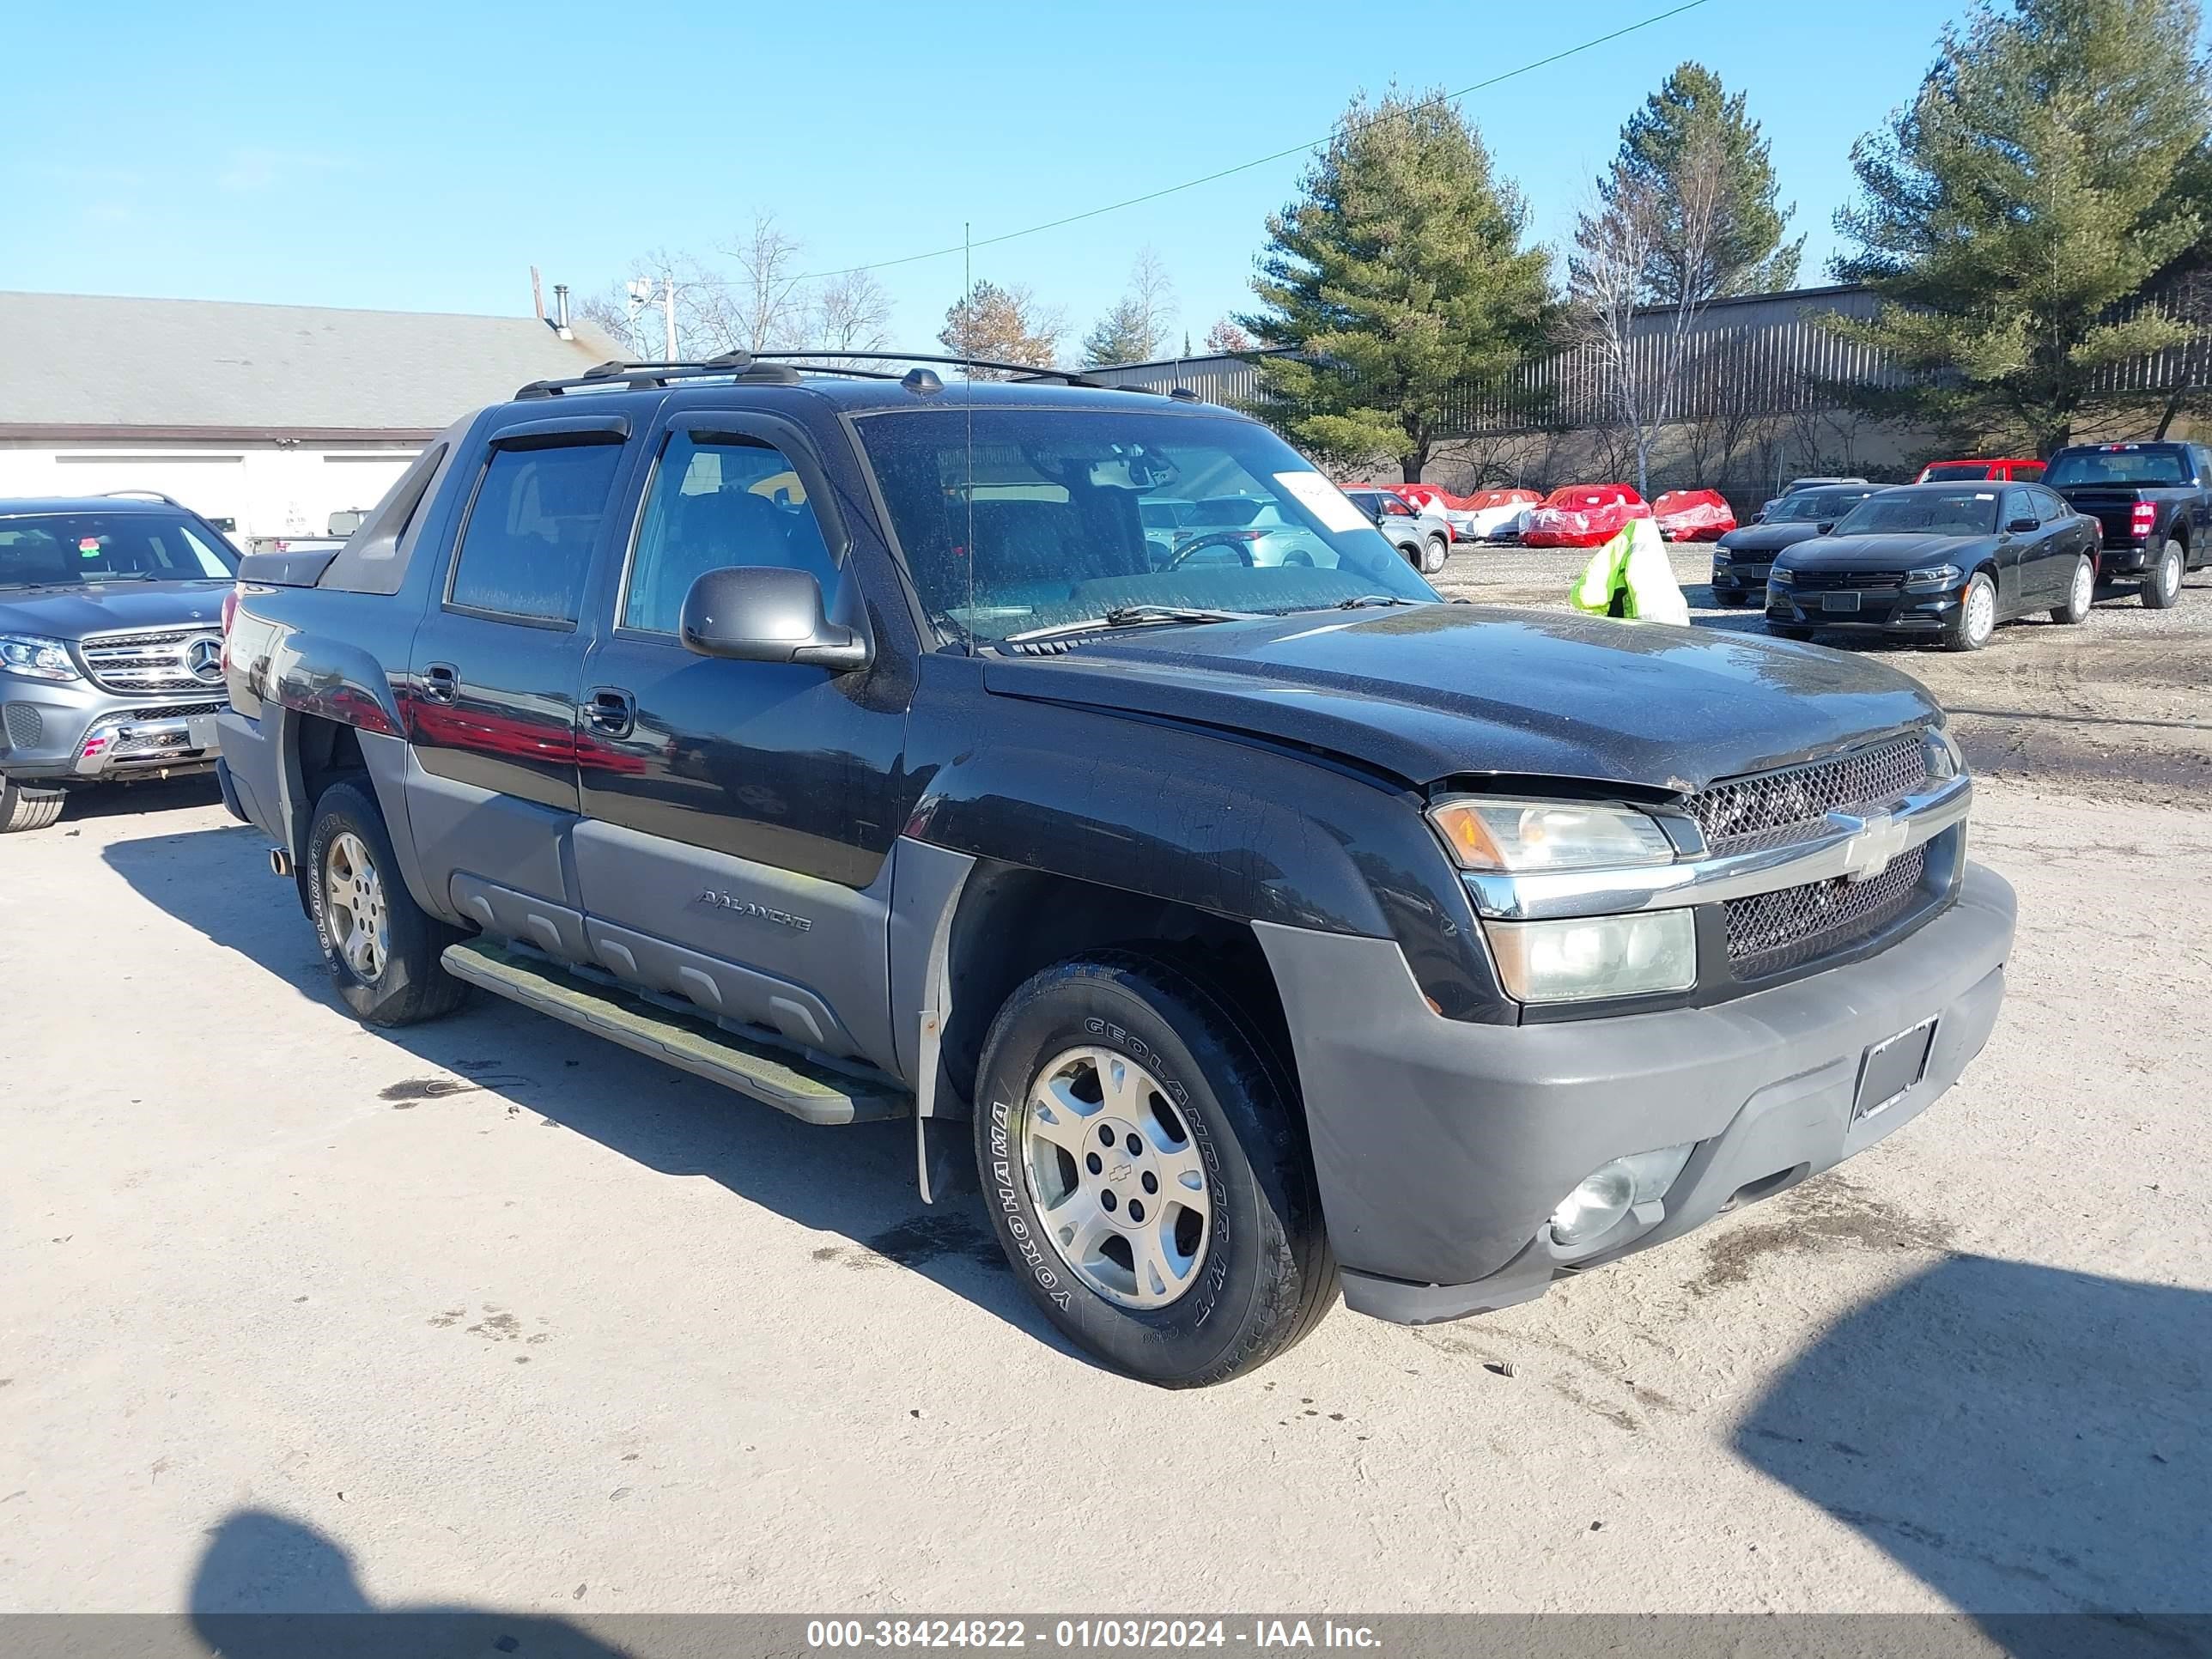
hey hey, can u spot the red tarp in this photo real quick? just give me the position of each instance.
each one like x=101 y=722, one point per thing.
x=1582 y=515
x=1693 y=515
x=1483 y=498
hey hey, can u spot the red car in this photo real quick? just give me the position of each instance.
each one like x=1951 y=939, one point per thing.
x=1693 y=515
x=1582 y=515
x=2011 y=469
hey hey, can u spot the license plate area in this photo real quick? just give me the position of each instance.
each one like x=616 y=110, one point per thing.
x=200 y=732
x=1891 y=1067
x=1833 y=602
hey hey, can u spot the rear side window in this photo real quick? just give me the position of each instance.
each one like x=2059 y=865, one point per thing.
x=530 y=531
x=718 y=501
x=2050 y=507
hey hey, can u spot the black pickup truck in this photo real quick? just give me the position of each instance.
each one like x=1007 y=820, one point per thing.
x=2154 y=502
x=1247 y=927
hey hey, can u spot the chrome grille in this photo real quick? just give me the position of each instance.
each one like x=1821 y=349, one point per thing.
x=24 y=725
x=1773 y=933
x=1821 y=581
x=1746 y=812
x=175 y=711
x=149 y=659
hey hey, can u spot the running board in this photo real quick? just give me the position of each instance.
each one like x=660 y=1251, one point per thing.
x=788 y=1082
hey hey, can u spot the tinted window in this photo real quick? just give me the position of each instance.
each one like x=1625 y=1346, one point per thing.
x=1923 y=512
x=2028 y=472
x=2049 y=506
x=73 y=549
x=2121 y=464
x=2017 y=505
x=532 y=528
x=1015 y=519
x=717 y=501
x=1956 y=473
x=1816 y=506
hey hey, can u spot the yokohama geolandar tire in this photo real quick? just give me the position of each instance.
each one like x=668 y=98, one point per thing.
x=2161 y=583
x=381 y=947
x=1146 y=1170
x=23 y=806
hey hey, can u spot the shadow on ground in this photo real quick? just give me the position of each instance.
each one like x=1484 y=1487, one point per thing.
x=269 y=1588
x=857 y=1181
x=2024 y=1440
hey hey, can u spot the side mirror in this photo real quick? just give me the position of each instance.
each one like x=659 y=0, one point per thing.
x=1823 y=529
x=2023 y=527
x=765 y=613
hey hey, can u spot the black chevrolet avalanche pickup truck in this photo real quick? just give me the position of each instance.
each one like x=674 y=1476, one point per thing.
x=2153 y=502
x=1249 y=927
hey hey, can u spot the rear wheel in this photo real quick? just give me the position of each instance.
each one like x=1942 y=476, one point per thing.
x=2079 y=592
x=26 y=806
x=1976 y=619
x=1146 y=1172
x=381 y=948
x=1434 y=555
x=2162 y=581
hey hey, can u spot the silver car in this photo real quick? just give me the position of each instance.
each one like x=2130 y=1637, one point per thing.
x=1422 y=534
x=111 y=646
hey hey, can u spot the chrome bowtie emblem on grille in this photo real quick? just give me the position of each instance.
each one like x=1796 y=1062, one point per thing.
x=1867 y=854
x=204 y=659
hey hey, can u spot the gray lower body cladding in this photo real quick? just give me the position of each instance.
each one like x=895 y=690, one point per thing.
x=1442 y=1148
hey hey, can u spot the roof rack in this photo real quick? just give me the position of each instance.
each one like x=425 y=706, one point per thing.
x=140 y=495
x=777 y=369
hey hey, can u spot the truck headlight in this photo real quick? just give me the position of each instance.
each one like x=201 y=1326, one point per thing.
x=40 y=658
x=1933 y=575
x=1587 y=958
x=1516 y=836
x=1944 y=760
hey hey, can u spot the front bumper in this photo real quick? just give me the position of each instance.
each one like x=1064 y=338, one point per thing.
x=1886 y=610
x=72 y=732
x=1442 y=1148
x=1736 y=579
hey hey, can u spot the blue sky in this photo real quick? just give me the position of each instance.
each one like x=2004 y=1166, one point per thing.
x=424 y=157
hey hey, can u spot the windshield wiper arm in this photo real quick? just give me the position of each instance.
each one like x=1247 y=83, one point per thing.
x=1133 y=616
x=1360 y=599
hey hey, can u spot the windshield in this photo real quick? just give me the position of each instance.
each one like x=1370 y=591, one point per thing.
x=1923 y=513
x=1816 y=506
x=1955 y=472
x=1042 y=518
x=45 y=549
x=2124 y=464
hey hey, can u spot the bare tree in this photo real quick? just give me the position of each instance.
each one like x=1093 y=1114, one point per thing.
x=768 y=303
x=634 y=310
x=851 y=313
x=1643 y=356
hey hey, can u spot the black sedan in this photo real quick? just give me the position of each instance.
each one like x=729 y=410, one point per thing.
x=1741 y=558
x=1940 y=560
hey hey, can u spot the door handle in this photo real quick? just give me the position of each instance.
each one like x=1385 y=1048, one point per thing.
x=442 y=682
x=611 y=710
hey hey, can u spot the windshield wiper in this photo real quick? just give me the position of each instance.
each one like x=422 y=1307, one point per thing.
x=1362 y=599
x=1133 y=616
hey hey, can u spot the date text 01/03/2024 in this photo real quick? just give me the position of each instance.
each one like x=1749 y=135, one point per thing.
x=1084 y=1635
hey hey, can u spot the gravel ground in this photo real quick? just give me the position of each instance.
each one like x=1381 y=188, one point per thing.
x=2115 y=707
x=300 y=1315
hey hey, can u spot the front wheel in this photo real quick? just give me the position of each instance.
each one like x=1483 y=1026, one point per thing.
x=25 y=808
x=1976 y=617
x=381 y=948
x=2079 y=592
x=1434 y=555
x=1147 y=1173
x=2162 y=582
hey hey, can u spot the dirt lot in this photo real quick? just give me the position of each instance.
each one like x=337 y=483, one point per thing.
x=298 y=1316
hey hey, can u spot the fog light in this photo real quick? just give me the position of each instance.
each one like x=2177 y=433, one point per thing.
x=1594 y=1206
x=1611 y=1190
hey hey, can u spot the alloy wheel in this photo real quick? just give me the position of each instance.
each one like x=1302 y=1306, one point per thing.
x=1118 y=1181
x=2085 y=587
x=1981 y=612
x=353 y=901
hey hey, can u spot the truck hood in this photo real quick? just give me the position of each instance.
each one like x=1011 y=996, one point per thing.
x=1441 y=690
x=72 y=612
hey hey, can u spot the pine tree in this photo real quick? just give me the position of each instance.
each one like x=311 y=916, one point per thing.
x=1123 y=335
x=1401 y=277
x=1692 y=124
x=2017 y=215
